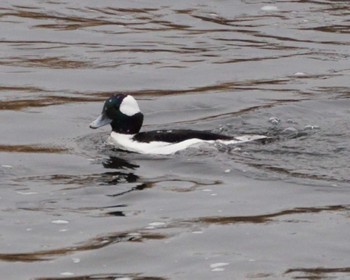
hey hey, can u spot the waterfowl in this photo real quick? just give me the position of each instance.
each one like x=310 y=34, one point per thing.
x=122 y=112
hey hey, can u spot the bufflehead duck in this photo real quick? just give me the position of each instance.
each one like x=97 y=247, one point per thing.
x=122 y=112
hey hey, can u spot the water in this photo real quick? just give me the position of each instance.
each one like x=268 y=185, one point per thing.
x=73 y=207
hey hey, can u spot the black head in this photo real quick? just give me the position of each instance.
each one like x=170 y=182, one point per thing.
x=122 y=112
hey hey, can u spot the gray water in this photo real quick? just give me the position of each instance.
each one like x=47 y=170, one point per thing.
x=73 y=207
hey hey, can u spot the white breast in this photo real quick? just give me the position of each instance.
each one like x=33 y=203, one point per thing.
x=125 y=142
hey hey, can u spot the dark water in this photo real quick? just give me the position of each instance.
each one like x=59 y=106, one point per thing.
x=73 y=207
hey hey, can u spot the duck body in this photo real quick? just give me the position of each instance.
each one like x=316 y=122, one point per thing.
x=122 y=112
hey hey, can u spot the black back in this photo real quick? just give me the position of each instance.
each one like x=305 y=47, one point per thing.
x=176 y=136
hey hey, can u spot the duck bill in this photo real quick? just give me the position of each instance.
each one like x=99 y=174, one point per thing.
x=102 y=120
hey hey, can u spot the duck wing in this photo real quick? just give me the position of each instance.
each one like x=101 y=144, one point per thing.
x=179 y=135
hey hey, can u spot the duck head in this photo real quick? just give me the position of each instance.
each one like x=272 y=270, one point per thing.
x=122 y=112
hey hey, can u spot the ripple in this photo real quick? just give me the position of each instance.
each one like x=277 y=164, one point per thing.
x=47 y=62
x=318 y=272
x=114 y=276
x=258 y=219
x=32 y=149
x=142 y=235
x=41 y=102
x=92 y=244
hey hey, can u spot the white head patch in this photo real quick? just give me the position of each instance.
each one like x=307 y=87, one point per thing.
x=129 y=106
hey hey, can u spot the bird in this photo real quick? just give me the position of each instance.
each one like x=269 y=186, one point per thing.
x=122 y=112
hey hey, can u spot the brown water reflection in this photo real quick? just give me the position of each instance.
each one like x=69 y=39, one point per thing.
x=134 y=276
x=141 y=235
x=48 y=62
x=31 y=149
x=269 y=217
x=66 y=22
x=318 y=272
x=93 y=244
x=42 y=102
x=51 y=100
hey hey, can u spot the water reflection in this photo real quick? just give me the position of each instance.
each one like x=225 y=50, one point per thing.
x=49 y=98
x=118 y=163
x=142 y=234
x=114 y=276
x=92 y=244
x=84 y=180
x=270 y=217
x=318 y=272
x=32 y=149
x=124 y=173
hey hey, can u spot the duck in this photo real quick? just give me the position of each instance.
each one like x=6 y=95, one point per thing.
x=122 y=112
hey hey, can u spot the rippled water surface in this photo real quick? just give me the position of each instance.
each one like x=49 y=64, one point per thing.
x=73 y=207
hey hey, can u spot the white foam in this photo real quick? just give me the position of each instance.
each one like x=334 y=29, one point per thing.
x=26 y=193
x=290 y=130
x=155 y=225
x=274 y=120
x=59 y=222
x=269 y=8
x=67 y=273
x=218 y=266
x=129 y=106
x=311 y=127
x=218 y=269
